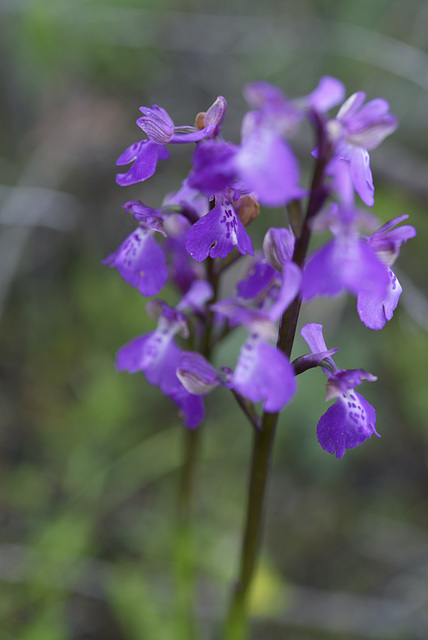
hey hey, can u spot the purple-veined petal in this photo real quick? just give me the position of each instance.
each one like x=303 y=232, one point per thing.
x=217 y=233
x=157 y=124
x=349 y=422
x=183 y=137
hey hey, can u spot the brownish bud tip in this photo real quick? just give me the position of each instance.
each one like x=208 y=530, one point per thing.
x=248 y=209
x=199 y=120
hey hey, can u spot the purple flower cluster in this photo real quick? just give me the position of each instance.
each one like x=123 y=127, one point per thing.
x=202 y=229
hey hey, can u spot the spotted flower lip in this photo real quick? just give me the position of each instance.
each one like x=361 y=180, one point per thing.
x=218 y=232
x=141 y=262
x=351 y=420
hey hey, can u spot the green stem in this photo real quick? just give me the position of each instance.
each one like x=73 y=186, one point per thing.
x=184 y=567
x=236 y=621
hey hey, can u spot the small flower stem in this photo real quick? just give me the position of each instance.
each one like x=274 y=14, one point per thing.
x=236 y=622
x=183 y=560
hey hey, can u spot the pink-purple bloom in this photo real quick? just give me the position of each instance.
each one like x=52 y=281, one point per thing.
x=356 y=130
x=157 y=354
x=218 y=232
x=160 y=130
x=351 y=420
x=359 y=264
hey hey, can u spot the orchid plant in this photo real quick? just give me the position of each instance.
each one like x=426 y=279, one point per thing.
x=200 y=230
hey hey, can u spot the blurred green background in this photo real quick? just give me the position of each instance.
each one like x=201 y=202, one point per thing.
x=90 y=458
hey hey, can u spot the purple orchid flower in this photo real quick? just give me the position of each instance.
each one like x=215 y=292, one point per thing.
x=160 y=130
x=218 y=232
x=263 y=161
x=385 y=242
x=141 y=261
x=263 y=372
x=348 y=262
x=157 y=354
x=357 y=129
x=351 y=420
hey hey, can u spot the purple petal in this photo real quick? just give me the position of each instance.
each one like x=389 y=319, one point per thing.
x=141 y=262
x=291 y=279
x=351 y=106
x=145 y=156
x=327 y=94
x=213 y=166
x=386 y=241
x=260 y=93
x=150 y=218
x=218 y=233
x=278 y=247
x=375 y=311
x=312 y=335
x=258 y=279
x=346 y=424
x=344 y=264
x=183 y=137
x=264 y=373
x=268 y=167
x=199 y=293
x=196 y=374
x=361 y=175
x=156 y=354
x=345 y=380
x=191 y=407
x=130 y=357
x=157 y=124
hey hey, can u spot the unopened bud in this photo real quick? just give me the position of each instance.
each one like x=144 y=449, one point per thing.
x=278 y=247
x=196 y=374
x=214 y=115
x=247 y=208
x=199 y=120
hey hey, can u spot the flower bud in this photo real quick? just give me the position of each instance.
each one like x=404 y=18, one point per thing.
x=278 y=247
x=247 y=208
x=214 y=115
x=196 y=374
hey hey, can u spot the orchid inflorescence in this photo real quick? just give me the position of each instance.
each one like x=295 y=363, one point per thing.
x=199 y=231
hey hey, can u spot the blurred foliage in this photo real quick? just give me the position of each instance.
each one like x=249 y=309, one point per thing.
x=90 y=458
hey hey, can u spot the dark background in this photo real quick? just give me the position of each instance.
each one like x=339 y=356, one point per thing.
x=89 y=458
